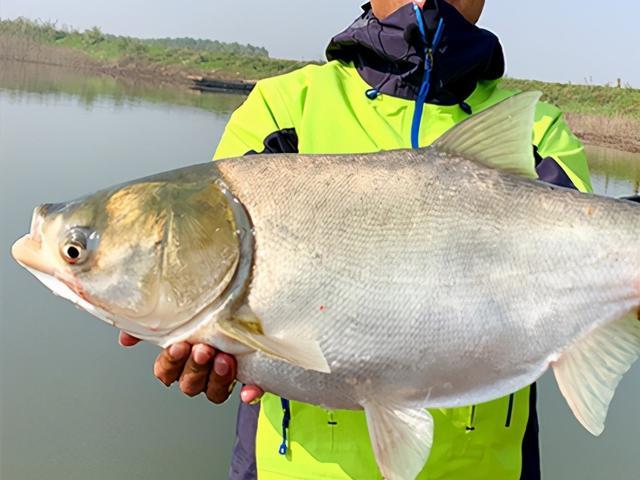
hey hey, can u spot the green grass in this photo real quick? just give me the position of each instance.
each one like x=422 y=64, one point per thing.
x=226 y=60
x=587 y=99
x=233 y=65
x=247 y=62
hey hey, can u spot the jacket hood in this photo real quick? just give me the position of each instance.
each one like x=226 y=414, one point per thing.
x=389 y=54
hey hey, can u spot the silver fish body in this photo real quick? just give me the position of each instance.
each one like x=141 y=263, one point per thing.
x=389 y=282
x=427 y=279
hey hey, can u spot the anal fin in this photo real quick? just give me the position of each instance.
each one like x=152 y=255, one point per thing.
x=589 y=372
x=401 y=439
x=301 y=352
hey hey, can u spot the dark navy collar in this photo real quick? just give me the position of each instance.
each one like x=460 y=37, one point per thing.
x=389 y=53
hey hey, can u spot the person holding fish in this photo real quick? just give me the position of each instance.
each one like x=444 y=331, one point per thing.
x=396 y=302
x=400 y=76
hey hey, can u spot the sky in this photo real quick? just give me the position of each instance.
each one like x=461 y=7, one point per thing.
x=578 y=41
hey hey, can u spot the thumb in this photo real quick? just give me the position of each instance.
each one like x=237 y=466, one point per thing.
x=251 y=394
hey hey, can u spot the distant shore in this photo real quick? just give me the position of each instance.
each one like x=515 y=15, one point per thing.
x=618 y=133
x=602 y=116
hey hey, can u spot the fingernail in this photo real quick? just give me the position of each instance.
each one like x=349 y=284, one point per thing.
x=220 y=367
x=251 y=394
x=177 y=351
x=201 y=355
x=245 y=396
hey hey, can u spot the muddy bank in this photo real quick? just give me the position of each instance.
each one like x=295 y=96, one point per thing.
x=128 y=68
x=22 y=49
x=621 y=133
x=612 y=132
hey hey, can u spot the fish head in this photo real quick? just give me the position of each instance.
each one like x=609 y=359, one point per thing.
x=146 y=257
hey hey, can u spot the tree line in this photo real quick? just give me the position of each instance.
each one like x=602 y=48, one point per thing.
x=50 y=32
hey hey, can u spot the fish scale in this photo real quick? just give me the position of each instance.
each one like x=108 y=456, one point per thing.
x=508 y=268
x=390 y=282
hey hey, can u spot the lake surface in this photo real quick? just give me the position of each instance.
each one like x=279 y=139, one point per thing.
x=75 y=405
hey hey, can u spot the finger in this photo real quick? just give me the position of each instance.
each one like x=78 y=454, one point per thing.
x=222 y=378
x=203 y=354
x=127 y=340
x=170 y=363
x=251 y=394
x=196 y=371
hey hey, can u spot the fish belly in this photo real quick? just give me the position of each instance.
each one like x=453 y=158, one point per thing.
x=428 y=280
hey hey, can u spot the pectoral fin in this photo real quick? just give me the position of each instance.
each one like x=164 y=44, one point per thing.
x=589 y=372
x=401 y=439
x=297 y=351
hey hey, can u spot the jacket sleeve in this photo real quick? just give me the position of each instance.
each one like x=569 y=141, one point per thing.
x=560 y=155
x=265 y=122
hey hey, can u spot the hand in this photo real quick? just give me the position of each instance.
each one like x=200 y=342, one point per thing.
x=198 y=368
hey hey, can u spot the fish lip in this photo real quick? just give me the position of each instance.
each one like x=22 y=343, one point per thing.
x=27 y=251
x=37 y=221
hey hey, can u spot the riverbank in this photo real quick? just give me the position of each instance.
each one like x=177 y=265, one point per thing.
x=175 y=58
x=618 y=133
x=599 y=115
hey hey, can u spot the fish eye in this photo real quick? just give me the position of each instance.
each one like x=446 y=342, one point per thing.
x=75 y=248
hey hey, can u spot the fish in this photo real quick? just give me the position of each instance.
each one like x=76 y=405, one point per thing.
x=390 y=282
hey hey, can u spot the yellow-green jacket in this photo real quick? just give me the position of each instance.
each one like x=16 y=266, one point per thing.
x=340 y=107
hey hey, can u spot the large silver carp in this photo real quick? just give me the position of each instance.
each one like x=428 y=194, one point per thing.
x=389 y=282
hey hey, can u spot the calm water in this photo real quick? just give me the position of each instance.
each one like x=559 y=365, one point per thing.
x=73 y=404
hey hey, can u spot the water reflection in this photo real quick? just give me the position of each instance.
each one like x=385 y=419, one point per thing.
x=59 y=82
x=73 y=405
x=614 y=173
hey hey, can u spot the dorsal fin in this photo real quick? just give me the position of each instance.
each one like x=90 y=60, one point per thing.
x=499 y=137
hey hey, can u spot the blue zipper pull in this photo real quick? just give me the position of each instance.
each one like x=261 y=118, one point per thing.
x=286 y=418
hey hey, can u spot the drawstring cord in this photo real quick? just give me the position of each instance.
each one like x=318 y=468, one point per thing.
x=466 y=108
x=372 y=93
x=428 y=67
x=286 y=418
x=425 y=86
x=472 y=419
x=507 y=422
x=472 y=416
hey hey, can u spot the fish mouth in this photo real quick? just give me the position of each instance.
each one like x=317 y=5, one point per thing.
x=27 y=251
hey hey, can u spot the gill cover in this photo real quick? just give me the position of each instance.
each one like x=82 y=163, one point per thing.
x=166 y=248
x=183 y=243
